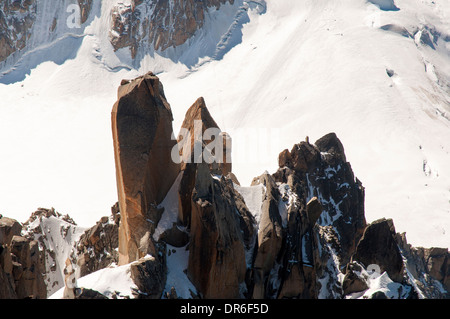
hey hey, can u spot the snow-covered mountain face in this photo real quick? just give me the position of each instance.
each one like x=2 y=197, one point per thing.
x=272 y=72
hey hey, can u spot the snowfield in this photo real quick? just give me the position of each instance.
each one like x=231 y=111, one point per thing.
x=271 y=74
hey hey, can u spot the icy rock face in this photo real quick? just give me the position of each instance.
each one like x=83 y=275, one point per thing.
x=427 y=269
x=16 y=20
x=56 y=235
x=26 y=24
x=314 y=218
x=97 y=248
x=321 y=170
x=162 y=24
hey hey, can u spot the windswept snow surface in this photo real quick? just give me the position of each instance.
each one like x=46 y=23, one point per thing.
x=378 y=78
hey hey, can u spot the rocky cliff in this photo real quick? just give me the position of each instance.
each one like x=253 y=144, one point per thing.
x=27 y=24
x=307 y=239
x=136 y=24
x=161 y=24
x=189 y=230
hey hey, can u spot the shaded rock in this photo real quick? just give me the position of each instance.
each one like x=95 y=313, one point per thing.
x=175 y=236
x=332 y=145
x=149 y=275
x=97 y=247
x=416 y=263
x=7 y=286
x=86 y=293
x=142 y=134
x=216 y=240
x=285 y=159
x=8 y=229
x=437 y=261
x=378 y=295
x=24 y=266
x=323 y=233
x=314 y=210
x=304 y=156
x=353 y=281
x=172 y=294
x=270 y=236
x=378 y=246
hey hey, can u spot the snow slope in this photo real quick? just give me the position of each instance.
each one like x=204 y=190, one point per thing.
x=378 y=78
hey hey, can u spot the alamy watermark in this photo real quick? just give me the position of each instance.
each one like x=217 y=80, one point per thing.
x=241 y=145
x=73 y=21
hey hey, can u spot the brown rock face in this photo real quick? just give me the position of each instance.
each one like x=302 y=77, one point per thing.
x=196 y=122
x=379 y=247
x=216 y=250
x=438 y=265
x=8 y=229
x=270 y=236
x=142 y=134
x=96 y=248
x=170 y=24
x=85 y=9
x=149 y=275
x=16 y=21
x=352 y=281
x=21 y=264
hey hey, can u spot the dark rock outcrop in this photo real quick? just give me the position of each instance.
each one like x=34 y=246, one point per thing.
x=378 y=247
x=321 y=171
x=149 y=275
x=429 y=268
x=97 y=247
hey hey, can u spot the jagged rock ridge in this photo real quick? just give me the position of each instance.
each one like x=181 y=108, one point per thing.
x=306 y=238
x=162 y=24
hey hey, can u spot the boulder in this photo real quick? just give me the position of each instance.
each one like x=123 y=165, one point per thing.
x=142 y=136
x=314 y=210
x=353 y=280
x=149 y=275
